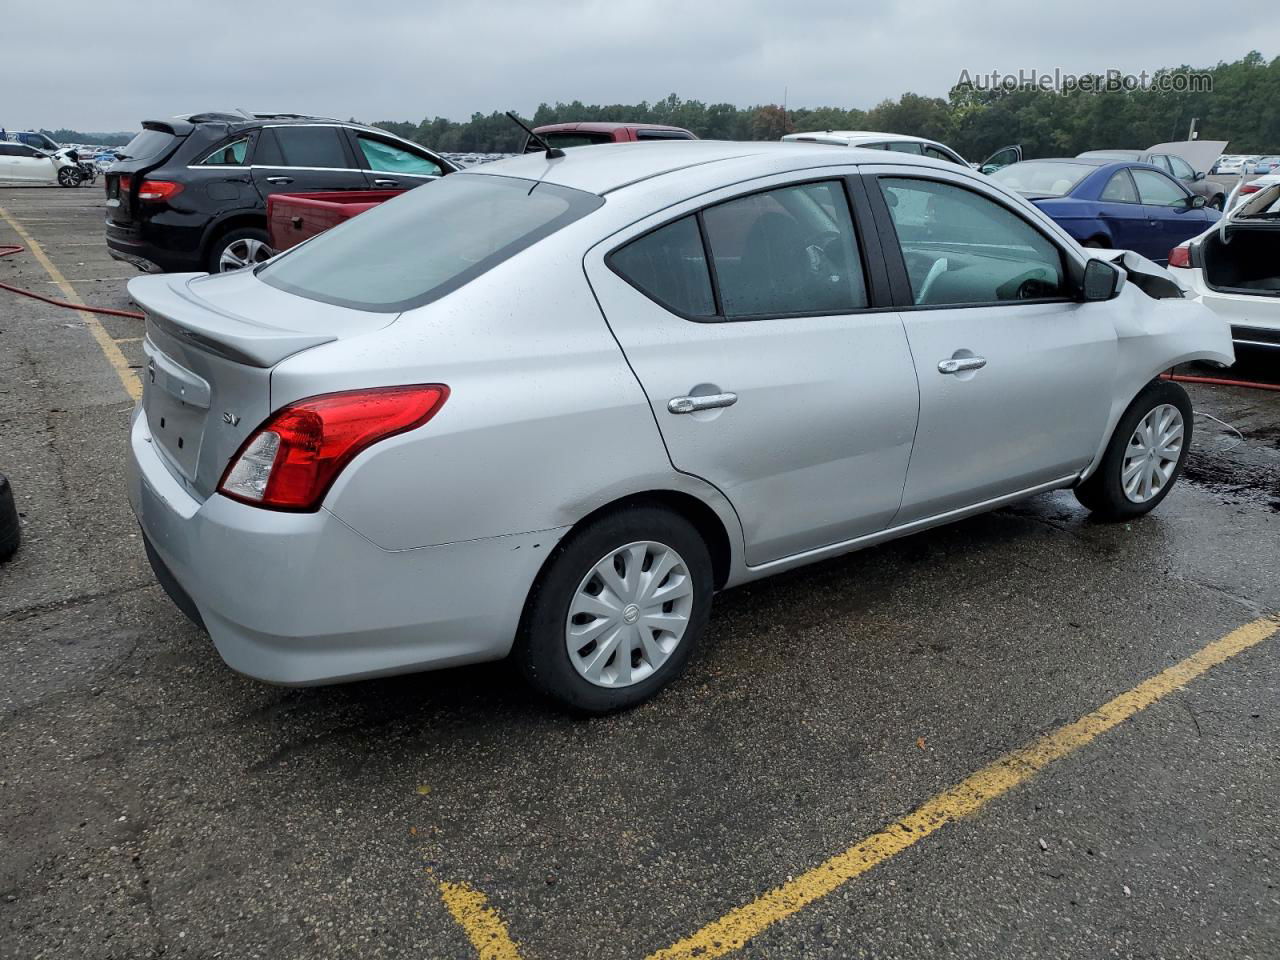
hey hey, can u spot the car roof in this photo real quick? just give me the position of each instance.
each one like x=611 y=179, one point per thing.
x=1084 y=161
x=603 y=126
x=852 y=136
x=1126 y=154
x=608 y=167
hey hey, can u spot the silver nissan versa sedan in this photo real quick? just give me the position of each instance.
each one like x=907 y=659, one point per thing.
x=547 y=406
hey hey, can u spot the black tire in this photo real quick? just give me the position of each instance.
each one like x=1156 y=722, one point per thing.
x=10 y=531
x=69 y=177
x=1095 y=244
x=541 y=651
x=230 y=238
x=1103 y=493
x=1217 y=201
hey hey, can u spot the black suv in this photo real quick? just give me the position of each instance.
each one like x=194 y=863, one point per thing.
x=191 y=193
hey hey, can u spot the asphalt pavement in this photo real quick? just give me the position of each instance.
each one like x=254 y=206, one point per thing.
x=152 y=802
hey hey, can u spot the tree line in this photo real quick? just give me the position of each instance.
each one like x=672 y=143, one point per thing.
x=1242 y=106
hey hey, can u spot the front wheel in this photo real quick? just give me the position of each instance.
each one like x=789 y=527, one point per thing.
x=1217 y=202
x=618 y=610
x=69 y=177
x=1144 y=457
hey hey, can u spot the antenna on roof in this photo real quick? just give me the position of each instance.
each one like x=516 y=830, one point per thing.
x=553 y=153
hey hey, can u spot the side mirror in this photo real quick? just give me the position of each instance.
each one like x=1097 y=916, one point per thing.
x=1196 y=202
x=1199 y=175
x=1101 y=280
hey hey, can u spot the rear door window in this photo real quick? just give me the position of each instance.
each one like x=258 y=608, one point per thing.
x=302 y=147
x=792 y=250
x=669 y=265
x=905 y=146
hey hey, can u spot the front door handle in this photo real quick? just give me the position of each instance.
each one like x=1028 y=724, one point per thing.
x=279 y=179
x=957 y=364
x=693 y=404
x=386 y=183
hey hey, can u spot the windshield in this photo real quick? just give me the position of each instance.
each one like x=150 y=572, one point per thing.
x=1043 y=178
x=426 y=242
x=567 y=138
x=148 y=145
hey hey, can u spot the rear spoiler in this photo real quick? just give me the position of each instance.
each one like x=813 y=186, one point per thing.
x=179 y=128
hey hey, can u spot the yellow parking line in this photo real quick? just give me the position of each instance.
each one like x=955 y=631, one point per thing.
x=128 y=379
x=484 y=928
x=732 y=931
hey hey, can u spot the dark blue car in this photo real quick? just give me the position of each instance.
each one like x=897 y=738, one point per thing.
x=1105 y=203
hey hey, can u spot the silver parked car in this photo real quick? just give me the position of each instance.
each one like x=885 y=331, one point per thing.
x=546 y=407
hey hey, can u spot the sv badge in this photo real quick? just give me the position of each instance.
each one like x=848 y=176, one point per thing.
x=230 y=418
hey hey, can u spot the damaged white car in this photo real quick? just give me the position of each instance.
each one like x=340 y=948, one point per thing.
x=1234 y=267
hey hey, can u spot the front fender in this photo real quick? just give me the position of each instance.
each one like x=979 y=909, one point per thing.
x=1153 y=336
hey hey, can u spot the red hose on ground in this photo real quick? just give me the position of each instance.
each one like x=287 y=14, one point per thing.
x=1219 y=381
x=9 y=249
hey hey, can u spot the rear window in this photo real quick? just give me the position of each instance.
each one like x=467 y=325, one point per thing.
x=148 y=145
x=426 y=242
x=1043 y=178
x=569 y=138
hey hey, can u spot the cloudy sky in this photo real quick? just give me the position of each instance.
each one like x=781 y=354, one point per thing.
x=90 y=65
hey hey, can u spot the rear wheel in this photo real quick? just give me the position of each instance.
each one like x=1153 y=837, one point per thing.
x=238 y=249
x=1217 y=201
x=1095 y=244
x=618 y=611
x=1145 y=456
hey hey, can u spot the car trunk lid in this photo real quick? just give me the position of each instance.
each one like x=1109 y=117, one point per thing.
x=207 y=381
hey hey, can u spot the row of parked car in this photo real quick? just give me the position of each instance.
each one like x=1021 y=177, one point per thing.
x=220 y=191
x=1246 y=166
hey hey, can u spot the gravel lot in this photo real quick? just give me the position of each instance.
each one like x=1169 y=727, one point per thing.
x=153 y=802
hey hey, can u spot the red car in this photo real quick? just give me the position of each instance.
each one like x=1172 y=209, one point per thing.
x=586 y=133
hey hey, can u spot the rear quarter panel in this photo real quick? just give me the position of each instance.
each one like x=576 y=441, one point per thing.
x=544 y=424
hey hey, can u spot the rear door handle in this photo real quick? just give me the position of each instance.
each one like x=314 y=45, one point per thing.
x=693 y=404
x=957 y=364
x=386 y=183
x=279 y=179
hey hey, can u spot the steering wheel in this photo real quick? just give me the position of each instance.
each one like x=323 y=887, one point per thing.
x=938 y=269
x=819 y=249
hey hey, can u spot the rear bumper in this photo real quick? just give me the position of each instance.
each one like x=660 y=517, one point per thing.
x=301 y=598
x=131 y=245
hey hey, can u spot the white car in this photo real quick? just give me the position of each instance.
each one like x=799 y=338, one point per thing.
x=1233 y=267
x=31 y=165
x=903 y=143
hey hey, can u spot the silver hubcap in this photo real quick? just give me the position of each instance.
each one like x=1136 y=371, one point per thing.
x=629 y=614
x=1152 y=454
x=243 y=253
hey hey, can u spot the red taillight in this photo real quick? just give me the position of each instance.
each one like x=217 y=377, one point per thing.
x=1180 y=257
x=157 y=189
x=125 y=183
x=1250 y=188
x=290 y=461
